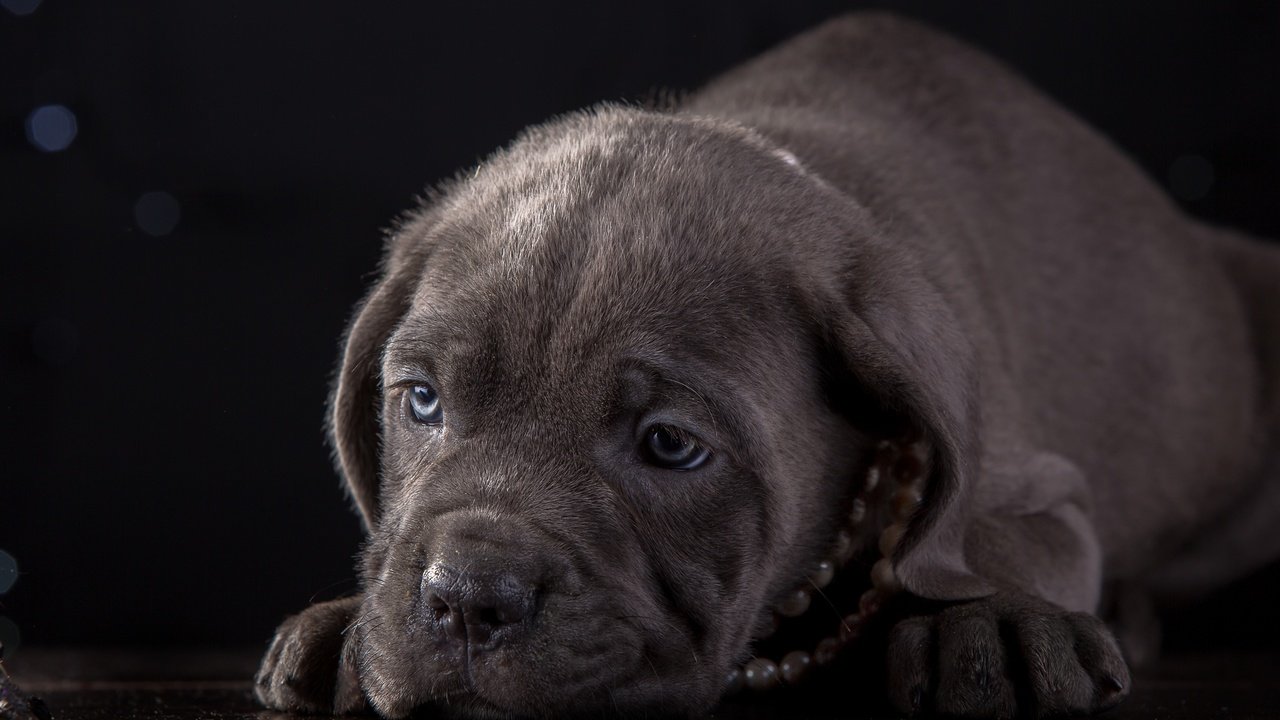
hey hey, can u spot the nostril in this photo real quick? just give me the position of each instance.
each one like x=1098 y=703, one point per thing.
x=516 y=606
x=438 y=608
x=497 y=612
x=487 y=616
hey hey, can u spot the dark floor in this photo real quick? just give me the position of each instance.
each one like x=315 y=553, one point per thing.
x=121 y=684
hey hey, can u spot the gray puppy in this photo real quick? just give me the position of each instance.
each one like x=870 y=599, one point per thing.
x=619 y=391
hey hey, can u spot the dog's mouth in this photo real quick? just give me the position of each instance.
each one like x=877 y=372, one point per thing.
x=467 y=705
x=512 y=688
x=462 y=704
x=502 y=685
x=889 y=495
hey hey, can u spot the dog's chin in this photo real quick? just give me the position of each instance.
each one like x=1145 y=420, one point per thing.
x=496 y=698
x=473 y=706
x=541 y=681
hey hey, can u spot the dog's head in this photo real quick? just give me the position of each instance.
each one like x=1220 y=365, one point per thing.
x=605 y=406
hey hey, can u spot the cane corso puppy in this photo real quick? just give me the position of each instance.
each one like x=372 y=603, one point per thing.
x=640 y=386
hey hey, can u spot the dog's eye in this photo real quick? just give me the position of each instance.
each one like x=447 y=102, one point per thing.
x=425 y=404
x=674 y=449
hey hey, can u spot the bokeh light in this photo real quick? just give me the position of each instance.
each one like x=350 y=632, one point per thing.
x=51 y=128
x=1191 y=177
x=8 y=571
x=157 y=213
x=20 y=7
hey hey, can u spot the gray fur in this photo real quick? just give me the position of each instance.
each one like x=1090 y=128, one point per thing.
x=867 y=231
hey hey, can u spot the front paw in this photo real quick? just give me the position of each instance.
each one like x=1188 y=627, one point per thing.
x=311 y=666
x=1004 y=656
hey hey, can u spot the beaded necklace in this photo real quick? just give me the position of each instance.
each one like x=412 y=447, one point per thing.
x=896 y=477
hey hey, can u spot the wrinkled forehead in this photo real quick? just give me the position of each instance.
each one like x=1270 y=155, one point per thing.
x=574 y=301
x=652 y=235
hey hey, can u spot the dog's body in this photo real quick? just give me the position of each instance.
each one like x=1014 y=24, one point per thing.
x=869 y=231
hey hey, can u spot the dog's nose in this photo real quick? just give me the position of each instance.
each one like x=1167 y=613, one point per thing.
x=479 y=608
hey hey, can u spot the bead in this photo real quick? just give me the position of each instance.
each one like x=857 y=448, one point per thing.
x=794 y=665
x=858 y=512
x=883 y=577
x=873 y=479
x=734 y=681
x=908 y=469
x=826 y=651
x=844 y=547
x=823 y=574
x=850 y=627
x=760 y=674
x=903 y=504
x=794 y=604
x=890 y=538
x=886 y=454
x=870 y=602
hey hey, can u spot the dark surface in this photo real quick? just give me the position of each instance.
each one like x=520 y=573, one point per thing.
x=163 y=477
x=122 y=684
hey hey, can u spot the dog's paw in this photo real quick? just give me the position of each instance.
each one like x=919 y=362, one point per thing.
x=310 y=667
x=1005 y=656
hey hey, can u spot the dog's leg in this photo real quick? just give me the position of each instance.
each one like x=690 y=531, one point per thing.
x=1030 y=649
x=311 y=664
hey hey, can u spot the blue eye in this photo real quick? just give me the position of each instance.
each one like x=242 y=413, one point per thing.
x=674 y=449
x=425 y=405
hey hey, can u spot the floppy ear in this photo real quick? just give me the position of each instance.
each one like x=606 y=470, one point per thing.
x=898 y=337
x=355 y=404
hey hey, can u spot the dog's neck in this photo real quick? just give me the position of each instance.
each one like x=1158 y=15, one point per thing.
x=890 y=493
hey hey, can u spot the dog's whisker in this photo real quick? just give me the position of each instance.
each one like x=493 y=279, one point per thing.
x=312 y=600
x=364 y=620
x=613 y=699
x=826 y=599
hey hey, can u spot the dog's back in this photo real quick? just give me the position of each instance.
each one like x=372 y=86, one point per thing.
x=1110 y=329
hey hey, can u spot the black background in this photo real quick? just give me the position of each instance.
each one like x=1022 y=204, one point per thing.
x=163 y=476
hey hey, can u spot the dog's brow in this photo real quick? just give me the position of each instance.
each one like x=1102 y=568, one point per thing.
x=418 y=344
x=718 y=402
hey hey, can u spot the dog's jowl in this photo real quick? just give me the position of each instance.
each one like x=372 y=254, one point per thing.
x=867 y=317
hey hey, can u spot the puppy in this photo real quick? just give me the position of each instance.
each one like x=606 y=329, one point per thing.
x=627 y=396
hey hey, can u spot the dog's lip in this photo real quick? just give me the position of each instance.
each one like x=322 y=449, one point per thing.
x=487 y=696
x=464 y=704
x=473 y=703
x=478 y=689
